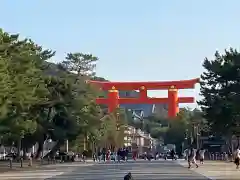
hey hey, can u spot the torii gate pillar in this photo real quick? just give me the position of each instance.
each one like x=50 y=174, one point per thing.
x=173 y=102
x=113 y=97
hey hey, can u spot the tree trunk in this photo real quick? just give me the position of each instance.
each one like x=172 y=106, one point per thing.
x=41 y=142
x=19 y=146
x=84 y=143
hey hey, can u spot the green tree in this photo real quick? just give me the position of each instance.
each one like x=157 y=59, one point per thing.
x=81 y=64
x=22 y=85
x=159 y=132
x=220 y=90
x=39 y=100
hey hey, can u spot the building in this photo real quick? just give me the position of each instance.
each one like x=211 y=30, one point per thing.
x=137 y=139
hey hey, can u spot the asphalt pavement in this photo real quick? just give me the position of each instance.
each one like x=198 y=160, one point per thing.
x=141 y=170
x=216 y=170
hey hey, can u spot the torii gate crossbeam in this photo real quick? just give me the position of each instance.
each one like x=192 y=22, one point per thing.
x=172 y=100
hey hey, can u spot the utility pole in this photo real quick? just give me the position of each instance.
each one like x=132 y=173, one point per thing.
x=197 y=138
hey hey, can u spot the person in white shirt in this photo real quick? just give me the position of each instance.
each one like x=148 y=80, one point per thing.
x=201 y=155
x=237 y=157
x=192 y=157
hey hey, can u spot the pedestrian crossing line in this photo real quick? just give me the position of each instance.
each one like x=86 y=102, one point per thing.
x=140 y=173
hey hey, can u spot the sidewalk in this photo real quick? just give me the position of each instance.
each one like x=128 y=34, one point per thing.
x=43 y=172
x=215 y=169
x=16 y=166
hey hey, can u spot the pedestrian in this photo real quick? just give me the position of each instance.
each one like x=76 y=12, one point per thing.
x=237 y=157
x=84 y=155
x=134 y=155
x=145 y=155
x=30 y=157
x=156 y=156
x=225 y=156
x=99 y=154
x=201 y=155
x=128 y=176
x=172 y=154
x=94 y=157
x=192 y=157
x=108 y=155
x=119 y=155
x=126 y=154
x=104 y=154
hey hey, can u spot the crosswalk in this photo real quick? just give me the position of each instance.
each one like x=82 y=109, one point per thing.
x=139 y=170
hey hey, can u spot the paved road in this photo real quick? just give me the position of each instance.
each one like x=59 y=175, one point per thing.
x=216 y=170
x=43 y=172
x=141 y=170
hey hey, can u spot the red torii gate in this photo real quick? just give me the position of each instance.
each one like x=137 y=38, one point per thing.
x=172 y=100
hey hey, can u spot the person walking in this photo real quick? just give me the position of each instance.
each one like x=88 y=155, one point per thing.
x=104 y=154
x=201 y=155
x=172 y=154
x=99 y=155
x=192 y=157
x=237 y=157
x=84 y=155
x=119 y=154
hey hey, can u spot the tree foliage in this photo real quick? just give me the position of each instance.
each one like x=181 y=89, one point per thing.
x=220 y=90
x=39 y=99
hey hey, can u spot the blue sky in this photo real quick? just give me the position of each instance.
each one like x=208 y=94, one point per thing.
x=136 y=40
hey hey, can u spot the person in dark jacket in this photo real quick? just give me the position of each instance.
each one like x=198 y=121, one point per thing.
x=104 y=154
x=128 y=176
x=84 y=155
x=99 y=154
x=126 y=154
x=119 y=155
